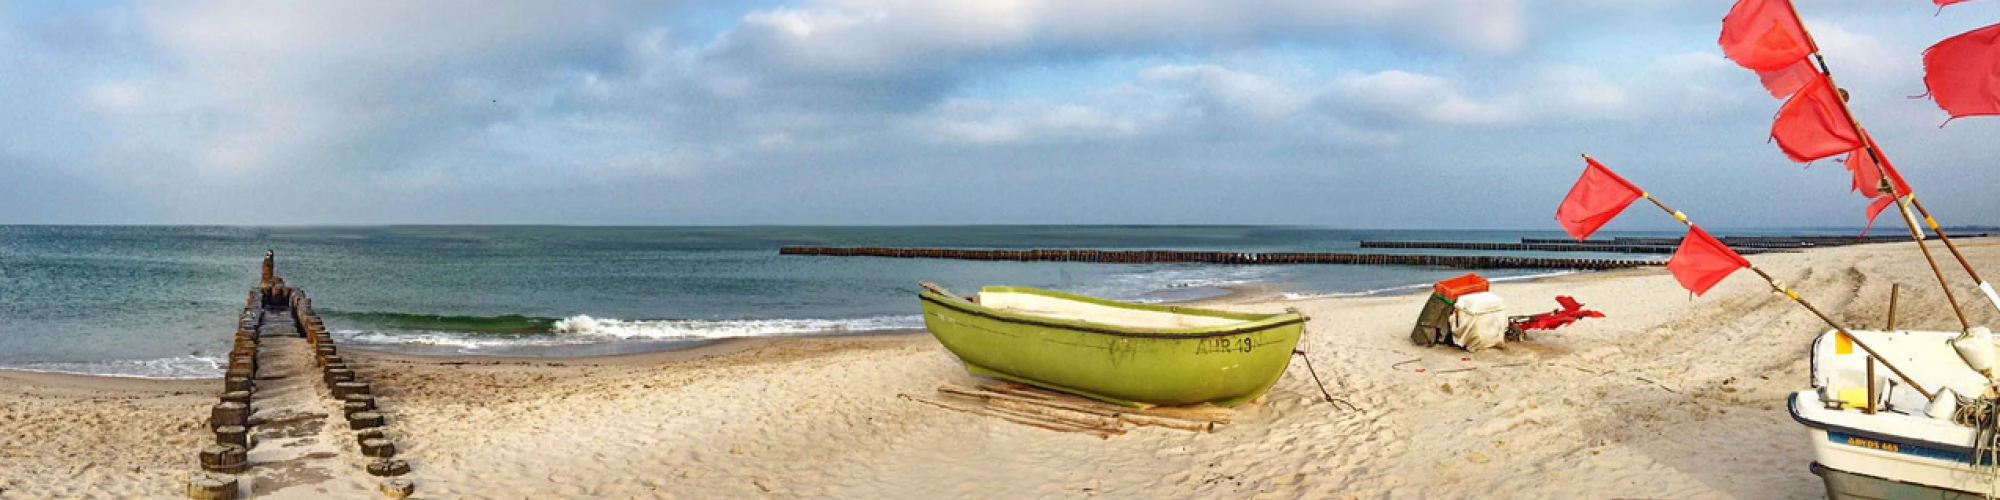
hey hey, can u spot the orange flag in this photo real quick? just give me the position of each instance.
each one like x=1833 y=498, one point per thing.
x=1598 y=196
x=1701 y=261
x=1783 y=83
x=1764 y=35
x=1813 y=124
x=1963 y=72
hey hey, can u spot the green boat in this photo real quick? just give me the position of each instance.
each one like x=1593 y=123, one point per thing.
x=1131 y=354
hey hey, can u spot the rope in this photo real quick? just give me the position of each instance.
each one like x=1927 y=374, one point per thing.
x=1980 y=414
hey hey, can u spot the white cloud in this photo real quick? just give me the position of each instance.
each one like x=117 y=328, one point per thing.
x=1393 y=94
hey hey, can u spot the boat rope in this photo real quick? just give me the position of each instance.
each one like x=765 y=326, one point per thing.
x=1983 y=416
x=1336 y=402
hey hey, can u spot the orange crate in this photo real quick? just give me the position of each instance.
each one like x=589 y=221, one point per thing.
x=1451 y=289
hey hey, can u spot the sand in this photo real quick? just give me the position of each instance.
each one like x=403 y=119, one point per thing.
x=1671 y=396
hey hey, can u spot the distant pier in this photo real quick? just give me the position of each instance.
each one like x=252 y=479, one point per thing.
x=1203 y=257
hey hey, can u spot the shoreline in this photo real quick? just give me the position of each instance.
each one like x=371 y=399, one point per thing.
x=1646 y=402
x=1234 y=294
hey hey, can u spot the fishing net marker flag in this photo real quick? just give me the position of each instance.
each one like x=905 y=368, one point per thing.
x=1598 y=196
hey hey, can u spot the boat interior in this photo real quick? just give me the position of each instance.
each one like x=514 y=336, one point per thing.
x=1840 y=373
x=1059 y=308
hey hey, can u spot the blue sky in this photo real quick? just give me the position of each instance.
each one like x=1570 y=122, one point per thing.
x=1343 y=113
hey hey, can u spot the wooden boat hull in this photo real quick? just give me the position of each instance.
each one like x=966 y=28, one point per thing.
x=1225 y=364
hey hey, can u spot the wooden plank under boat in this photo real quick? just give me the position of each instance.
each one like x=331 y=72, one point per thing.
x=1131 y=354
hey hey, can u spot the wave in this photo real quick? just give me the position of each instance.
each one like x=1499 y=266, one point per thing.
x=578 y=330
x=179 y=367
x=506 y=324
x=718 y=329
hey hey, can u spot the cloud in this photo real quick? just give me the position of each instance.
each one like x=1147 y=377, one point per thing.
x=851 y=111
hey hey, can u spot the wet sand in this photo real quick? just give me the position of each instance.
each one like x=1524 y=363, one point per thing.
x=1671 y=396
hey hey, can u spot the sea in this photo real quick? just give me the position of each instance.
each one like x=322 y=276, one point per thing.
x=161 y=301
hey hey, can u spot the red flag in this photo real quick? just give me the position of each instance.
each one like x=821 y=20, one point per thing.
x=1963 y=72
x=1813 y=125
x=1875 y=209
x=1868 y=180
x=1783 y=83
x=1597 y=196
x=1701 y=261
x=1764 y=35
x=1942 y=3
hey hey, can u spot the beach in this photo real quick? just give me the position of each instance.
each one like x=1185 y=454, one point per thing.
x=1669 y=396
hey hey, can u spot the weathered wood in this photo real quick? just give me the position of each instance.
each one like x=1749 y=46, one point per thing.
x=211 y=486
x=226 y=458
x=233 y=434
x=227 y=414
x=236 y=397
x=233 y=384
x=398 y=488
x=1117 y=413
x=343 y=389
x=384 y=467
x=367 y=434
x=934 y=288
x=1062 y=414
x=378 y=448
x=349 y=408
x=364 y=420
x=1027 y=420
x=363 y=398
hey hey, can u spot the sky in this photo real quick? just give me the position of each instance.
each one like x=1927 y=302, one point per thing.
x=1431 y=114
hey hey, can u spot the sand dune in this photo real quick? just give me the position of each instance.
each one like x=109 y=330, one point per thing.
x=1668 y=397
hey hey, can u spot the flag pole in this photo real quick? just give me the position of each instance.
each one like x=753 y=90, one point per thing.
x=1991 y=296
x=1780 y=288
x=1868 y=144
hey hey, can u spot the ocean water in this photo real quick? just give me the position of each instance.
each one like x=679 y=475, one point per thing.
x=160 y=301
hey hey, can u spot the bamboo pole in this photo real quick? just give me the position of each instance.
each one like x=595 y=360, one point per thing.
x=1777 y=287
x=1902 y=204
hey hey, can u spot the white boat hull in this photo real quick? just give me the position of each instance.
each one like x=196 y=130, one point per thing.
x=1897 y=452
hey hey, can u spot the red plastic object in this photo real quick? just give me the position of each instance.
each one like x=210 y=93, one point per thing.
x=1452 y=289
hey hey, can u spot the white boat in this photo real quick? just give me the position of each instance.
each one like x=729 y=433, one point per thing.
x=1898 y=452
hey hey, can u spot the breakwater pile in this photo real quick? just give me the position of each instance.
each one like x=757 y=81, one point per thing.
x=1205 y=257
x=270 y=404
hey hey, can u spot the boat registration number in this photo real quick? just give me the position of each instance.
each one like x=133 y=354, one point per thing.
x=1872 y=444
x=1221 y=345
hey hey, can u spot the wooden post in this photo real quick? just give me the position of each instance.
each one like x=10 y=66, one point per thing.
x=1893 y=289
x=207 y=486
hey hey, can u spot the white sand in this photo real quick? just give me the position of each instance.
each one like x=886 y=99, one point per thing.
x=1668 y=397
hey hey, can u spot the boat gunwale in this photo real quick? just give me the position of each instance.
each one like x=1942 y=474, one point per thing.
x=1792 y=407
x=1261 y=323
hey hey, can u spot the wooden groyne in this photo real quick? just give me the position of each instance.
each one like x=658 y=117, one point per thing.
x=269 y=399
x=1205 y=257
x=1538 y=247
